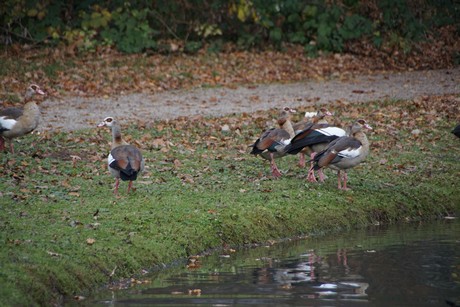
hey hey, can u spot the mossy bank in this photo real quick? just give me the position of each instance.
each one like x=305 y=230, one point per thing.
x=64 y=233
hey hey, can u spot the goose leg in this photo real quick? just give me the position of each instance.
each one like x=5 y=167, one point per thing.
x=311 y=173
x=130 y=185
x=302 y=160
x=2 y=143
x=275 y=171
x=117 y=183
x=12 y=147
x=339 y=179
x=345 y=179
x=321 y=175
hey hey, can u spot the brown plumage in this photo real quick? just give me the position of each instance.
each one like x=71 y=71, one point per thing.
x=16 y=122
x=314 y=138
x=307 y=125
x=125 y=161
x=345 y=152
x=311 y=118
x=273 y=143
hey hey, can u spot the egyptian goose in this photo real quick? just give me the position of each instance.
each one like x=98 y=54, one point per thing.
x=311 y=120
x=15 y=122
x=315 y=138
x=345 y=152
x=124 y=161
x=456 y=131
x=273 y=143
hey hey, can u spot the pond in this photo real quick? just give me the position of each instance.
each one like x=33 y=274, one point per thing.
x=401 y=265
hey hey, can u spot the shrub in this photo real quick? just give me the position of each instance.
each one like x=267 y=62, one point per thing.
x=139 y=25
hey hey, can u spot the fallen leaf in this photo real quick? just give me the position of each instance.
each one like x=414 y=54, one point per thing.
x=53 y=254
x=196 y=292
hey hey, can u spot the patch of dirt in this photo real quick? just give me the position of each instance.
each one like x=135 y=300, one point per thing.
x=72 y=113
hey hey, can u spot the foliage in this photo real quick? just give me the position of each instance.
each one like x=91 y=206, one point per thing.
x=135 y=26
x=63 y=232
x=131 y=31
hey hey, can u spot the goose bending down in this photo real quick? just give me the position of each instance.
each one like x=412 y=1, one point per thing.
x=273 y=143
x=16 y=122
x=310 y=121
x=315 y=138
x=125 y=161
x=345 y=152
x=318 y=117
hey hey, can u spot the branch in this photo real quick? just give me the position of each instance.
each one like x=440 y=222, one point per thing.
x=25 y=36
x=158 y=17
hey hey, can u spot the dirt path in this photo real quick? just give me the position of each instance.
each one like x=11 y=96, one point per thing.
x=74 y=113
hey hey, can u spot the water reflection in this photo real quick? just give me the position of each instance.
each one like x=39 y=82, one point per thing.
x=411 y=265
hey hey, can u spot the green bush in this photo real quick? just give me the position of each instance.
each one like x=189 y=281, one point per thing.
x=139 y=25
x=131 y=31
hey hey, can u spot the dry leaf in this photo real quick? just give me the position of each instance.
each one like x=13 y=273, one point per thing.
x=53 y=254
x=196 y=292
x=90 y=241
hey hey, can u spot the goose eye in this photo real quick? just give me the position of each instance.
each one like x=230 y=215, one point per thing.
x=109 y=119
x=287 y=109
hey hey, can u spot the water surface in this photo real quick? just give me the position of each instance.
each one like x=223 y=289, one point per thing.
x=405 y=265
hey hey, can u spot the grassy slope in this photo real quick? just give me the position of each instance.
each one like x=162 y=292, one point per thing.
x=202 y=190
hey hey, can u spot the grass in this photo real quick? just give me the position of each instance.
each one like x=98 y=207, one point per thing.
x=64 y=233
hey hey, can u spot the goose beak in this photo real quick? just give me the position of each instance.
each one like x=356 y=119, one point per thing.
x=367 y=126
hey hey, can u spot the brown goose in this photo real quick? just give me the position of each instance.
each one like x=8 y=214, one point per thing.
x=315 y=138
x=125 y=161
x=311 y=121
x=345 y=152
x=273 y=143
x=311 y=117
x=16 y=122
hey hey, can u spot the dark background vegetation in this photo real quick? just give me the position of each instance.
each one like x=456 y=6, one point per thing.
x=191 y=25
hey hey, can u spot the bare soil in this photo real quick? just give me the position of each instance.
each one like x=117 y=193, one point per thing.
x=72 y=113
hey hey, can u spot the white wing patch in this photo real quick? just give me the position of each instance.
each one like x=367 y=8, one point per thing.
x=332 y=131
x=110 y=159
x=7 y=123
x=310 y=114
x=286 y=141
x=350 y=152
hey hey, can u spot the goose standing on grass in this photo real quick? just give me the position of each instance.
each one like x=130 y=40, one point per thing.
x=16 y=122
x=312 y=120
x=345 y=152
x=315 y=138
x=273 y=143
x=125 y=161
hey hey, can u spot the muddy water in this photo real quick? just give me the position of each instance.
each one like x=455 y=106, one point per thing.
x=404 y=265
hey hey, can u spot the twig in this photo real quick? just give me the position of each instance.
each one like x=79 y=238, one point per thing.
x=158 y=17
x=27 y=36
